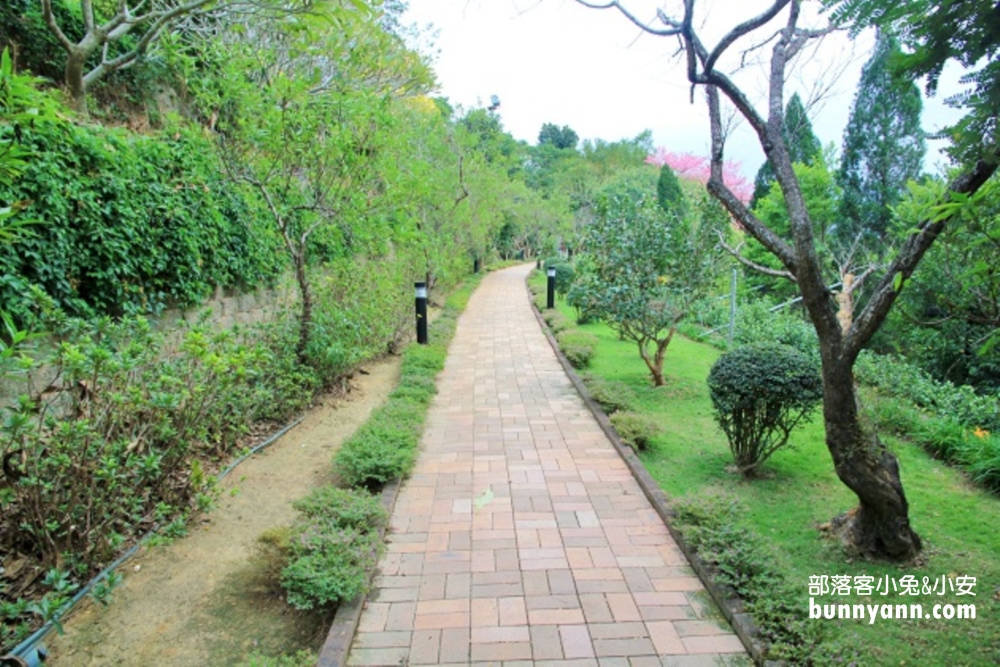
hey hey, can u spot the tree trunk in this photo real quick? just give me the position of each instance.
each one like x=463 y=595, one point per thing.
x=305 y=316
x=880 y=526
x=75 y=85
x=654 y=365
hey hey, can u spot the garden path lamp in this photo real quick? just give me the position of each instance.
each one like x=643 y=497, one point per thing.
x=421 y=294
x=550 y=300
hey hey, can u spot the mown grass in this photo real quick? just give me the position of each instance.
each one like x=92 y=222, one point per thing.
x=800 y=492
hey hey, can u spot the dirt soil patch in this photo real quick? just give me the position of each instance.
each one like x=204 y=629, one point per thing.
x=201 y=600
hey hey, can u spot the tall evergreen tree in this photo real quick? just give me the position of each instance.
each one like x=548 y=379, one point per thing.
x=803 y=146
x=669 y=194
x=883 y=144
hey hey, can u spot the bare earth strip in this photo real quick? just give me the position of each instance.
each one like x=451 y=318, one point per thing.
x=522 y=537
x=199 y=601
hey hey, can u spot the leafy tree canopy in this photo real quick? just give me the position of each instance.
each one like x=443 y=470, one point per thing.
x=934 y=32
x=560 y=137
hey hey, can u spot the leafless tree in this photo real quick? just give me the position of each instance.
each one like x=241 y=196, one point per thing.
x=880 y=526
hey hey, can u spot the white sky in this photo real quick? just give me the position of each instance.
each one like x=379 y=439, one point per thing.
x=555 y=61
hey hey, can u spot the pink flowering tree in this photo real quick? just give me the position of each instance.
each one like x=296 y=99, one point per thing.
x=698 y=168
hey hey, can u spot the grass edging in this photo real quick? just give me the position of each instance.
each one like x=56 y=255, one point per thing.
x=338 y=641
x=730 y=606
x=348 y=616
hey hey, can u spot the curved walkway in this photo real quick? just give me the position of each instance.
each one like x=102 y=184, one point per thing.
x=522 y=538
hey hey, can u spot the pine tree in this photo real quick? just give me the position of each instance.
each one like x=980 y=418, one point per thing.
x=883 y=145
x=669 y=194
x=803 y=146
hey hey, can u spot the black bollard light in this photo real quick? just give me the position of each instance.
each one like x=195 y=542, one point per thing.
x=550 y=301
x=421 y=292
x=475 y=265
x=538 y=263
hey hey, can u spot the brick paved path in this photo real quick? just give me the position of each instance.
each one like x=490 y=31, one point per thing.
x=521 y=537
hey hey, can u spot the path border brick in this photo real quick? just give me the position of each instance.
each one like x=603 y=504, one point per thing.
x=729 y=604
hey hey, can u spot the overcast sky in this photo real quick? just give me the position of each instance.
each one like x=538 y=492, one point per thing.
x=554 y=61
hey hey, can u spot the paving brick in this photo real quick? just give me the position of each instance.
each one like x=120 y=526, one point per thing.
x=424 y=647
x=455 y=645
x=545 y=642
x=576 y=641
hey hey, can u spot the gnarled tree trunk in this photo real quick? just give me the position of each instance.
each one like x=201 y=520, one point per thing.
x=880 y=525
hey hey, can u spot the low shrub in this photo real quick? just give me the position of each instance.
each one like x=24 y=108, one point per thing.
x=565 y=273
x=714 y=525
x=578 y=346
x=760 y=393
x=376 y=454
x=757 y=324
x=635 y=430
x=556 y=320
x=384 y=449
x=610 y=395
x=582 y=301
x=334 y=547
x=902 y=380
x=953 y=423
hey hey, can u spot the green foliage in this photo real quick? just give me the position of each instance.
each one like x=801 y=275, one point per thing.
x=334 y=546
x=610 y=395
x=883 y=146
x=107 y=443
x=756 y=323
x=130 y=224
x=669 y=194
x=646 y=268
x=560 y=137
x=555 y=319
x=759 y=394
x=385 y=447
x=950 y=309
x=822 y=197
x=742 y=560
x=935 y=33
x=636 y=430
x=565 y=274
x=944 y=399
x=803 y=147
x=578 y=346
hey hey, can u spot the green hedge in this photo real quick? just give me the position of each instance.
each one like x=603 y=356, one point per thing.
x=385 y=447
x=130 y=224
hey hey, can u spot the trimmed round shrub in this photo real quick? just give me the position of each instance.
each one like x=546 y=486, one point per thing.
x=760 y=393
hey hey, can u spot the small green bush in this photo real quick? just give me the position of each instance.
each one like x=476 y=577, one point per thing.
x=760 y=393
x=578 y=346
x=556 y=320
x=944 y=399
x=375 y=456
x=334 y=547
x=610 y=395
x=344 y=508
x=580 y=297
x=565 y=273
x=635 y=430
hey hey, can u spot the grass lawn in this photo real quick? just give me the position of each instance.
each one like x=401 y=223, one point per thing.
x=800 y=491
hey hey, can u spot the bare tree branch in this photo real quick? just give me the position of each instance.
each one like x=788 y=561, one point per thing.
x=760 y=268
